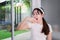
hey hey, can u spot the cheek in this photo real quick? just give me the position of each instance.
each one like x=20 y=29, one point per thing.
x=39 y=16
x=35 y=16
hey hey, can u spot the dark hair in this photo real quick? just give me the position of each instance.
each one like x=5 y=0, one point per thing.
x=45 y=28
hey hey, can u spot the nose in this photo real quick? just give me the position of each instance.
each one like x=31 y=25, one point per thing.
x=35 y=16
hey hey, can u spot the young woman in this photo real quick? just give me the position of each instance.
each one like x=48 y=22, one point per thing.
x=40 y=30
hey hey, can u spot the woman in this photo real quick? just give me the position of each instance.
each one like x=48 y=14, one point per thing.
x=40 y=30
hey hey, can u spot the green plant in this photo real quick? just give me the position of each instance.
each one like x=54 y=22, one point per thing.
x=27 y=3
x=2 y=13
x=5 y=34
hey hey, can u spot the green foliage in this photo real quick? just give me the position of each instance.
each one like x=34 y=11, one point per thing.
x=27 y=3
x=20 y=31
x=2 y=13
x=5 y=34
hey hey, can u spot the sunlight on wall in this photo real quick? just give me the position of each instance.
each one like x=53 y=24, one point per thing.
x=24 y=8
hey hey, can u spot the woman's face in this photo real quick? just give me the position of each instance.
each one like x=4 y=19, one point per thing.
x=37 y=16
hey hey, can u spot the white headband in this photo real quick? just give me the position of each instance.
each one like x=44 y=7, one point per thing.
x=42 y=10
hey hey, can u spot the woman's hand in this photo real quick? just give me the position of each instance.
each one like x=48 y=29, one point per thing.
x=23 y=24
x=31 y=19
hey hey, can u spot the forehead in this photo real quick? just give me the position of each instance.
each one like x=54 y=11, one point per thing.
x=35 y=11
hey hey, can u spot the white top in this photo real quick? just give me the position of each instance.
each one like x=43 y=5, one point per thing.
x=36 y=31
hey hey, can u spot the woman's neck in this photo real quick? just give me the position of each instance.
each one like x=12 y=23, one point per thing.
x=40 y=22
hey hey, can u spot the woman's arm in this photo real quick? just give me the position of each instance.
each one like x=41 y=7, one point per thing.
x=49 y=36
x=23 y=25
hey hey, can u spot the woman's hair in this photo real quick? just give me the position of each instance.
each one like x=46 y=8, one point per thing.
x=45 y=28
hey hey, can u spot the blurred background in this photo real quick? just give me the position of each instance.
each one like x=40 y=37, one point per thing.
x=52 y=14
x=22 y=9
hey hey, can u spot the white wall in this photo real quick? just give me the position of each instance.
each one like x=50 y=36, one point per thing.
x=52 y=10
x=36 y=4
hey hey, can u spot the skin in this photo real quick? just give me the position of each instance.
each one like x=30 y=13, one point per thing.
x=36 y=18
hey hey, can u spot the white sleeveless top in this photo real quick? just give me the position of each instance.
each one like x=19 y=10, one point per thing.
x=36 y=31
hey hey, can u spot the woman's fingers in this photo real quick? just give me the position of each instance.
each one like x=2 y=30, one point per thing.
x=31 y=19
x=35 y=20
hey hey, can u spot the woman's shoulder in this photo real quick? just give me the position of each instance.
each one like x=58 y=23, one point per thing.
x=49 y=24
x=50 y=27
